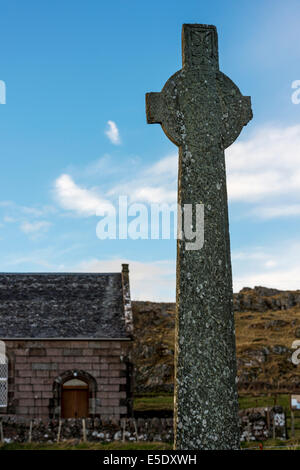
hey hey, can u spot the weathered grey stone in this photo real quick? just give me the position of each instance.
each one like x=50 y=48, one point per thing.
x=202 y=111
x=65 y=305
x=256 y=425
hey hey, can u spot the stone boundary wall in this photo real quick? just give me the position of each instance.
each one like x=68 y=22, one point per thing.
x=17 y=429
x=256 y=425
x=259 y=424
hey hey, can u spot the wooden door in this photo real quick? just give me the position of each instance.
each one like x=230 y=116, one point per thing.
x=75 y=402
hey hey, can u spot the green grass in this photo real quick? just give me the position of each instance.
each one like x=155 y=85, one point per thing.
x=273 y=444
x=270 y=444
x=165 y=402
x=254 y=402
x=154 y=402
x=71 y=445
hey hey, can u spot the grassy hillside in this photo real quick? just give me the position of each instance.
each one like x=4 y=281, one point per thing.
x=265 y=330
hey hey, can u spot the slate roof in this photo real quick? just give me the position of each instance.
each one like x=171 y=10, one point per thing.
x=62 y=306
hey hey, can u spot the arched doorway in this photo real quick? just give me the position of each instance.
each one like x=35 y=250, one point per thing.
x=55 y=404
x=74 y=399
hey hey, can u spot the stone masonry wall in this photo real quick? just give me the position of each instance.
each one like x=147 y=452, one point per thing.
x=38 y=368
x=256 y=425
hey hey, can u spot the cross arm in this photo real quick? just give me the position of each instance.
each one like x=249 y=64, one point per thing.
x=154 y=105
x=161 y=109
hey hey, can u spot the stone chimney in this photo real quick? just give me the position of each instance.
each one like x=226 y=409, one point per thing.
x=126 y=299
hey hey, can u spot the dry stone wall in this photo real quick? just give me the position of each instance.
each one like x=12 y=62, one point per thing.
x=256 y=425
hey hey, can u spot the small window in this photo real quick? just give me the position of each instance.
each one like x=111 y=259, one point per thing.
x=3 y=381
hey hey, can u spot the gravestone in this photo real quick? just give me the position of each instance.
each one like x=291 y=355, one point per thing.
x=202 y=111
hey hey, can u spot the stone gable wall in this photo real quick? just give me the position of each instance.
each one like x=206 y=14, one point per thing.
x=37 y=369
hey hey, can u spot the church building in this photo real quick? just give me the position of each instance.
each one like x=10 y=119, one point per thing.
x=67 y=340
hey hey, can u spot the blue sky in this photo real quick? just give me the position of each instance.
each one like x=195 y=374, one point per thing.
x=70 y=67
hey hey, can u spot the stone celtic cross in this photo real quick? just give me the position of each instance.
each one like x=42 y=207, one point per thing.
x=202 y=111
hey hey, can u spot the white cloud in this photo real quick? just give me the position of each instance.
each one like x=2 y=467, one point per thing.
x=263 y=168
x=154 y=184
x=46 y=258
x=83 y=201
x=276 y=266
x=153 y=280
x=9 y=220
x=15 y=213
x=258 y=255
x=167 y=167
x=266 y=166
x=35 y=212
x=34 y=227
x=153 y=194
x=113 y=133
x=262 y=172
x=271 y=212
x=28 y=218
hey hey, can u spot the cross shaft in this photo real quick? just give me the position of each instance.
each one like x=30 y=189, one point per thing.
x=202 y=111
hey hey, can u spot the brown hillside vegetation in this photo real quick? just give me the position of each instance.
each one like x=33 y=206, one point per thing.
x=267 y=323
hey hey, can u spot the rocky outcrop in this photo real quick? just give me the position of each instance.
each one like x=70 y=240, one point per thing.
x=264 y=341
x=261 y=299
x=153 y=352
x=258 y=299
